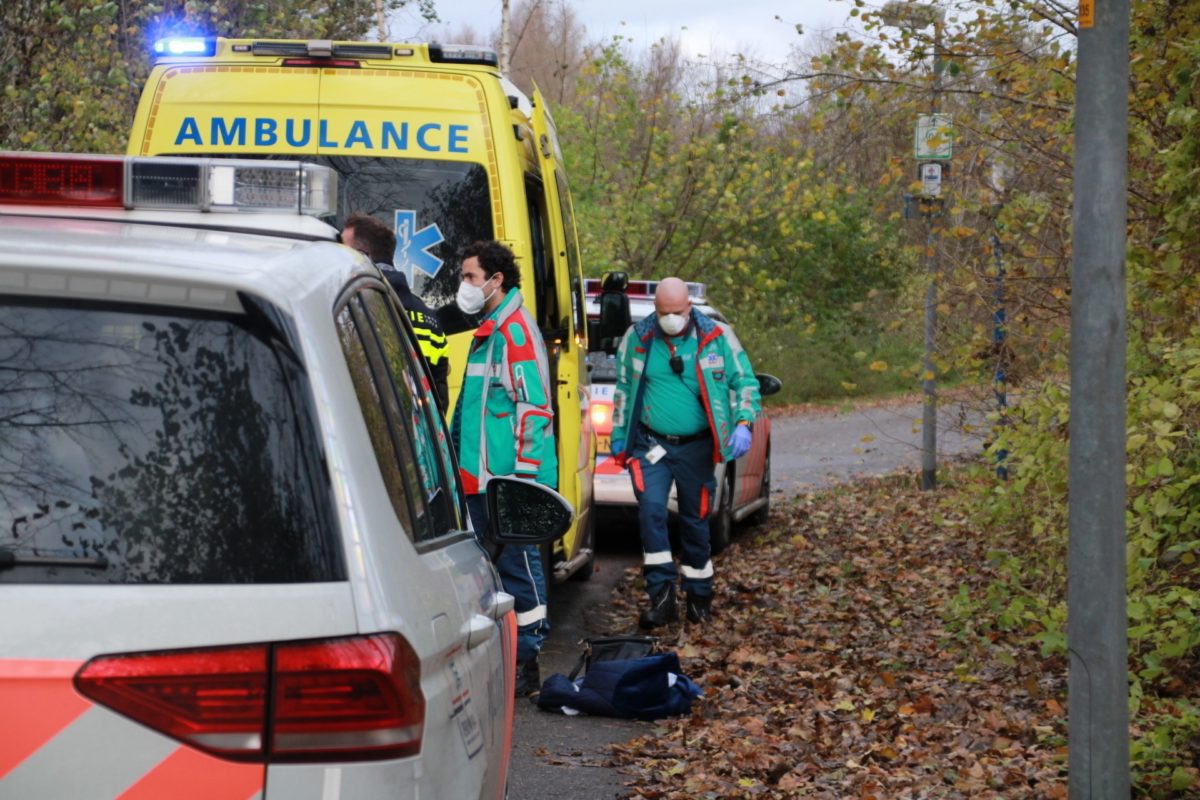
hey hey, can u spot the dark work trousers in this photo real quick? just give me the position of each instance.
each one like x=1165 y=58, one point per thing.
x=520 y=568
x=690 y=467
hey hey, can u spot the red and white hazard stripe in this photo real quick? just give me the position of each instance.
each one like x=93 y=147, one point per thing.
x=55 y=743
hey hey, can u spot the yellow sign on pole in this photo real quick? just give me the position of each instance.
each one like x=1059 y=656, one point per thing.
x=1087 y=13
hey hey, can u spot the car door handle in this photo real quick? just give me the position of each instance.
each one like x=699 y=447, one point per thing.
x=502 y=603
x=480 y=627
x=479 y=630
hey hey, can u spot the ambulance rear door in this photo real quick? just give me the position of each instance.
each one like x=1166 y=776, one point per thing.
x=415 y=148
x=577 y=459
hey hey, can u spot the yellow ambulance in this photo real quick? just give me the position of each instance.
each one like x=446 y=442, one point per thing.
x=430 y=138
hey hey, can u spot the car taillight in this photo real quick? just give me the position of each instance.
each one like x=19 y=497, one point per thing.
x=602 y=417
x=350 y=699
x=354 y=696
x=211 y=699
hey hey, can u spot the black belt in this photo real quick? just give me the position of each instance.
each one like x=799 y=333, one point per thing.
x=670 y=439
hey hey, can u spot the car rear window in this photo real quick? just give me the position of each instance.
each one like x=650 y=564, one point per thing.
x=153 y=445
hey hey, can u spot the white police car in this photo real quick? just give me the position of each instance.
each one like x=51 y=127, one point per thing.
x=232 y=551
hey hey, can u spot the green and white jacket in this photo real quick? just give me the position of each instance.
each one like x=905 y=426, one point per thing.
x=728 y=388
x=503 y=421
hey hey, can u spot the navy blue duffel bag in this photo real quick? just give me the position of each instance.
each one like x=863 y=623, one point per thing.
x=647 y=688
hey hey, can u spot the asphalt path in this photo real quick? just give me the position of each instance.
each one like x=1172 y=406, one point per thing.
x=556 y=756
x=818 y=448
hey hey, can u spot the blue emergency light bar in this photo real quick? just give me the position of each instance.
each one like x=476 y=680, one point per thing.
x=186 y=46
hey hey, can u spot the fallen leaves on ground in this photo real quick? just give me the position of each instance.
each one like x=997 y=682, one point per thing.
x=829 y=673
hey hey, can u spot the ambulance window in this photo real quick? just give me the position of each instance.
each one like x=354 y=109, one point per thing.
x=148 y=445
x=436 y=208
x=577 y=306
x=568 y=218
x=573 y=260
x=543 y=261
x=450 y=204
x=417 y=407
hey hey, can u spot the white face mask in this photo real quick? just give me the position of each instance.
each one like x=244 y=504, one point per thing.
x=672 y=324
x=471 y=298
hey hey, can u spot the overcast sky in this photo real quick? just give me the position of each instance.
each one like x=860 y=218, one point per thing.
x=704 y=26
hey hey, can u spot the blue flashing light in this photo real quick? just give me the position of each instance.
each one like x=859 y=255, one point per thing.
x=186 y=46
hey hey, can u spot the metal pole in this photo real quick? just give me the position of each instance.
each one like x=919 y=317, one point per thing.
x=999 y=335
x=929 y=383
x=1098 y=684
x=932 y=226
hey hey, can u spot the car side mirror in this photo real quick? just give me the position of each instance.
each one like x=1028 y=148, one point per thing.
x=768 y=384
x=524 y=512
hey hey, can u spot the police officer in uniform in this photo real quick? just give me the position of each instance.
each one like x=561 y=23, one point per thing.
x=377 y=241
x=686 y=398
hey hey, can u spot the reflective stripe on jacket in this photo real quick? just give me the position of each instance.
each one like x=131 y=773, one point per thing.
x=504 y=421
x=430 y=338
x=728 y=388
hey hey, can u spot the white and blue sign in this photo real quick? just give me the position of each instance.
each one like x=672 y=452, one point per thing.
x=385 y=136
x=412 y=247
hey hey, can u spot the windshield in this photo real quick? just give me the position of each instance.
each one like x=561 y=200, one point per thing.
x=435 y=207
x=152 y=445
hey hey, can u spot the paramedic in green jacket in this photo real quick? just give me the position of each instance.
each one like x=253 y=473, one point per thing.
x=503 y=424
x=686 y=398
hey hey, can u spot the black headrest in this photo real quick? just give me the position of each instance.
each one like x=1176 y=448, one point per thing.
x=615 y=282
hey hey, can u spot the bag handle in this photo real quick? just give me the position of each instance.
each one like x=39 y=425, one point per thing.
x=583 y=657
x=586 y=655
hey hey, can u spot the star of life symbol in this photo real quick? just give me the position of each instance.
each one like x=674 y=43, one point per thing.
x=412 y=247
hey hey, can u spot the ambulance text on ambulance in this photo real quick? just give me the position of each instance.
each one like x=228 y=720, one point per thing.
x=431 y=137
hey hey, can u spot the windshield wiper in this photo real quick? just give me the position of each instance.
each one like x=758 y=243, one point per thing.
x=10 y=559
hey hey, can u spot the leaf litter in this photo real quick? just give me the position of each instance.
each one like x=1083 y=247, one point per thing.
x=829 y=671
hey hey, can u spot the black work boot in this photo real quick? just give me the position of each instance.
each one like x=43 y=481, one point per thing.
x=529 y=678
x=663 y=609
x=699 y=608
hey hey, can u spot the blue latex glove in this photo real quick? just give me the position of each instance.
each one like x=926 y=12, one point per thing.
x=740 y=441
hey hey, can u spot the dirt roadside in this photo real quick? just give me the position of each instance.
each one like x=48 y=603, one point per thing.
x=569 y=757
